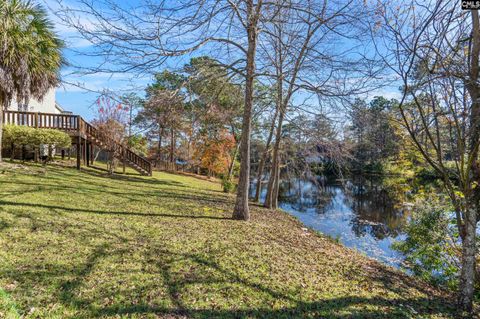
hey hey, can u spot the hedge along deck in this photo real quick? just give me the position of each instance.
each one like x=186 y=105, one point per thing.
x=84 y=136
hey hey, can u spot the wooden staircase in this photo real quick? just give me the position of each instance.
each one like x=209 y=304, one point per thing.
x=84 y=136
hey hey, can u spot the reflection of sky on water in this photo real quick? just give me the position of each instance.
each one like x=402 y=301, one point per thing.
x=365 y=220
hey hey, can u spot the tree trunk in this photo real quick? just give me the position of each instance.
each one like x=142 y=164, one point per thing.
x=241 y=210
x=271 y=198
x=232 y=163
x=130 y=124
x=1 y=129
x=263 y=159
x=276 y=184
x=172 y=147
x=12 y=152
x=467 y=275
x=95 y=158
x=159 y=152
x=258 y=187
x=110 y=167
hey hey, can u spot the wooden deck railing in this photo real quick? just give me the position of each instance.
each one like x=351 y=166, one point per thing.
x=64 y=122
x=73 y=124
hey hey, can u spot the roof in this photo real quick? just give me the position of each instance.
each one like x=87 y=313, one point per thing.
x=61 y=109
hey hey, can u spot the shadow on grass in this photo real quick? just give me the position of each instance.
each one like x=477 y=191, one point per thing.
x=129 y=177
x=340 y=307
x=3 y=225
x=68 y=288
x=97 y=171
x=132 y=177
x=116 y=172
x=154 y=194
x=331 y=308
x=88 y=230
x=102 y=212
x=204 y=269
x=83 y=305
x=192 y=175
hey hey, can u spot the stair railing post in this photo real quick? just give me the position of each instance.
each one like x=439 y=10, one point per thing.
x=79 y=143
x=35 y=149
x=124 y=159
x=84 y=151
x=88 y=153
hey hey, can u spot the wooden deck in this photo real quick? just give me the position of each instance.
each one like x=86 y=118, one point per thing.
x=84 y=136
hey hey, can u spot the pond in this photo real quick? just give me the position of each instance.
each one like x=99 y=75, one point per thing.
x=361 y=214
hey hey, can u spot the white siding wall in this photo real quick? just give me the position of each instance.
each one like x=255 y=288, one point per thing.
x=46 y=106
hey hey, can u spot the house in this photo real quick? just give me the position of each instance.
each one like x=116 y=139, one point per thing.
x=47 y=105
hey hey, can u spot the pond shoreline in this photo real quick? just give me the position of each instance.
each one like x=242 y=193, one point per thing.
x=360 y=216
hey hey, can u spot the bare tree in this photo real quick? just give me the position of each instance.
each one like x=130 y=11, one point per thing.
x=298 y=44
x=433 y=50
x=110 y=121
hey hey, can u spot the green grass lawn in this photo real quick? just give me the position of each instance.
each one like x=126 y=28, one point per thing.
x=84 y=245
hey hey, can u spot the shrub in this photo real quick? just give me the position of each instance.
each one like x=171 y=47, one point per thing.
x=19 y=135
x=29 y=136
x=228 y=185
x=52 y=137
x=431 y=247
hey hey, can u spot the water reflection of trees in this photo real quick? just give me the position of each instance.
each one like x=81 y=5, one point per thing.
x=302 y=195
x=375 y=214
x=375 y=206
